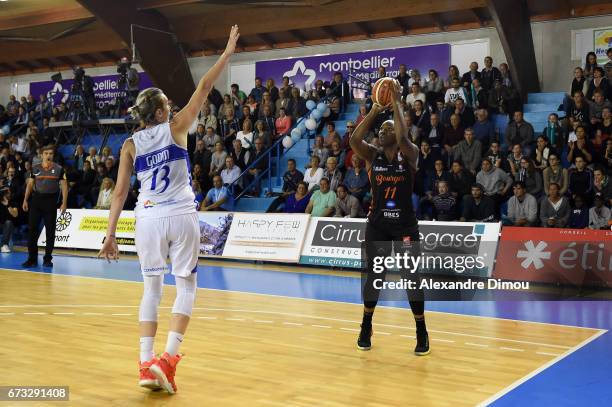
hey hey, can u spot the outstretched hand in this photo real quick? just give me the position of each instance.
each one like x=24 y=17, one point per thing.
x=233 y=39
x=109 y=250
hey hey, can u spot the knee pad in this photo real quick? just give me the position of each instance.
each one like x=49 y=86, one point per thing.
x=151 y=297
x=185 y=294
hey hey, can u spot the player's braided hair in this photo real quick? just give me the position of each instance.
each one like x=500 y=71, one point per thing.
x=147 y=103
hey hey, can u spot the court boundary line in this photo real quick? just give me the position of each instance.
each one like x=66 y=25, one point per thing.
x=310 y=299
x=492 y=338
x=539 y=370
x=599 y=332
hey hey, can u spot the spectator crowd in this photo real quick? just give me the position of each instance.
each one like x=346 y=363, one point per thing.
x=558 y=176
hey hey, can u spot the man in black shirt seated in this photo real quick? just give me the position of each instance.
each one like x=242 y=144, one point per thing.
x=478 y=207
x=291 y=179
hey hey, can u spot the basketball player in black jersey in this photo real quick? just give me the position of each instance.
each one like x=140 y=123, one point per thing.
x=392 y=220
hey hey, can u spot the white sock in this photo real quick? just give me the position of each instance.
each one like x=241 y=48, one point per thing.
x=146 y=348
x=174 y=341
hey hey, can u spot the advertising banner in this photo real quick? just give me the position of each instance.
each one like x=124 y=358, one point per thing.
x=86 y=229
x=266 y=236
x=214 y=229
x=334 y=242
x=573 y=257
x=106 y=88
x=602 y=40
x=337 y=242
x=303 y=72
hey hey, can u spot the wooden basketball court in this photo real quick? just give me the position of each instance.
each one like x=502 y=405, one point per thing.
x=261 y=350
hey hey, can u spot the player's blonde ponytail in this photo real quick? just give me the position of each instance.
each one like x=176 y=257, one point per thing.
x=147 y=103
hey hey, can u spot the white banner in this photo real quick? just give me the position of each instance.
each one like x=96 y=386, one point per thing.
x=334 y=242
x=86 y=229
x=337 y=241
x=266 y=236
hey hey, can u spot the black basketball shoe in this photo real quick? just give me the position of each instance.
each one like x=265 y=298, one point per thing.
x=422 y=346
x=364 y=342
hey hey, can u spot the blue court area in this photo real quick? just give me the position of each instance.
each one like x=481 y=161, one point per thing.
x=582 y=378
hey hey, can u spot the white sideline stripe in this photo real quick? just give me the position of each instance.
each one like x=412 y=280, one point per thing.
x=321 y=326
x=288 y=314
x=512 y=349
x=234 y=319
x=442 y=340
x=350 y=329
x=312 y=316
x=7 y=313
x=34 y=313
x=270 y=295
x=547 y=353
x=93 y=313
x=408 y=336
x=293 y=323
x=206 y=317
x=263 y=321
x=522 y=380
x=481 y=345
x=65 y=313
x=382 y=333
x=122 y=315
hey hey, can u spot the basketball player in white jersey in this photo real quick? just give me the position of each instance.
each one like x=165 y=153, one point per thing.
x=166 y=217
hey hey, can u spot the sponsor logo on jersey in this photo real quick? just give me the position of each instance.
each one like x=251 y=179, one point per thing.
x=149 y=204
x=392 y=179
x=390 y=204
x=380 y=169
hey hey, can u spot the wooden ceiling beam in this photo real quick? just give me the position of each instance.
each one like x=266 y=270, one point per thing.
x=94 y=40
x=296 y=18
x=478 y=16
x=363 y=26
x=42 y=17
x=298 y=36
x=437 y=19
x=267 y=39
x=46 y=63
x=330 y=32
x=88 y=58
x=400 y=23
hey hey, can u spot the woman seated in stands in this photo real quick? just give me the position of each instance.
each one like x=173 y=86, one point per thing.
x=106 y=194
x=313 y=174
x=298 y=201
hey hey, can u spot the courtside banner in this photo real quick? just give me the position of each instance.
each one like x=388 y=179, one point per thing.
x=86 y=229
x=574 y=257
x=337 y=242
x=263 y=236
x=214 y=229
x=460 y=241
x=334 y=242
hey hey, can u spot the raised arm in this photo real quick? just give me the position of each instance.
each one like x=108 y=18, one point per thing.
x=364 y=150
x=408 y=149
x=183 y=120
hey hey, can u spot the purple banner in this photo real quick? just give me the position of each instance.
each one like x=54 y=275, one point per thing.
x=304 y=71
x=106 y=88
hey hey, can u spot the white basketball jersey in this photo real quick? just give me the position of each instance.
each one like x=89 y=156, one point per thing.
x=164 y=172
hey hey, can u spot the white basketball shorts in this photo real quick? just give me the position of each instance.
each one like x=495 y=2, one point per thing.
x=175 y=236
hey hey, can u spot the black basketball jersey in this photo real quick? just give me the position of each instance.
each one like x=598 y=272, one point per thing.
x=392 y=184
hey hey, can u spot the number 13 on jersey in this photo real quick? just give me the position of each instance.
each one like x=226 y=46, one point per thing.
x=165 y=172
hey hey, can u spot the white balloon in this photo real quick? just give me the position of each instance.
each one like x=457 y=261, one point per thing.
x=327 y=112
x=296 y=132
x=287 y=142
x=311 y=124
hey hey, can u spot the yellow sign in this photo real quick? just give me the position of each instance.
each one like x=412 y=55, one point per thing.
x=602 y=40
x=100 y=223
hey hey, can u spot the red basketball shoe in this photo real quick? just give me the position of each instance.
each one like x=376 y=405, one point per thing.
x=164 y=370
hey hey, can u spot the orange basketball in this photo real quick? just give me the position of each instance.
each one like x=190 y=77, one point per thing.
x=381 y=92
